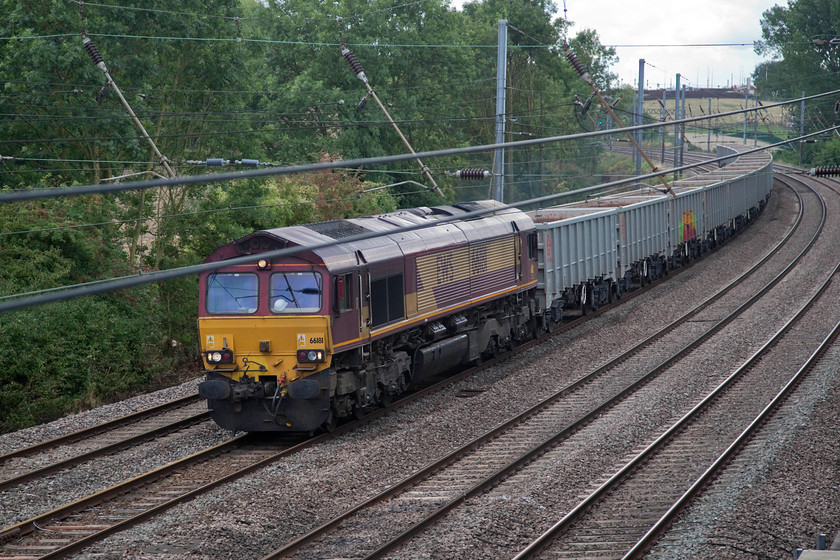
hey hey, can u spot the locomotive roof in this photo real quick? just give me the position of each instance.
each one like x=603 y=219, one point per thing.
x=389 y=245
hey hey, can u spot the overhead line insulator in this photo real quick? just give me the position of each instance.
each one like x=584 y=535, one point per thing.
x=94 y=54
x=354 y=64
x=471 y=173
x=576 y=64
x=825 y=171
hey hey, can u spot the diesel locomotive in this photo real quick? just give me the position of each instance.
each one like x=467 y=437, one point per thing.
x=296 y=342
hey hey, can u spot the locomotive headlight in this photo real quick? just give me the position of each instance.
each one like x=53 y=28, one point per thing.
x=216 y=357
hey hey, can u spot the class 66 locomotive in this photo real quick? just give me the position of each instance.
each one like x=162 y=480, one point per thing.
x=295 y=343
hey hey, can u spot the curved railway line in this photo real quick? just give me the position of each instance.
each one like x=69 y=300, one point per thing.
x=425 y=501
x=424 y=498
x=646 y=494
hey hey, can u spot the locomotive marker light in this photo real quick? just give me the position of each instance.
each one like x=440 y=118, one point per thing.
x=223 y=356
x=310 y=356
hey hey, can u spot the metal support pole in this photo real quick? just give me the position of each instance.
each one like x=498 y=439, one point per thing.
x=746 y=106
x=640 y=111
x=709 y=130
x=682 y=130
x=663 y=114
x=801 y=124
x=501 y=82
x=676 y=126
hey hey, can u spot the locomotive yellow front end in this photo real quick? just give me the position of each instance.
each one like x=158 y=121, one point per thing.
x=266 y=348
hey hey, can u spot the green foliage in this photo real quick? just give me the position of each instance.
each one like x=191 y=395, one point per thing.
x=828 y=152
x=74 y=355
x=284 y=95
x=797 y=36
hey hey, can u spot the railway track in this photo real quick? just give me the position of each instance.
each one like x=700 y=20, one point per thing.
x=425 y=497
x=64 y=452
x=643 y=498
x=178 y=493
x=66 y=530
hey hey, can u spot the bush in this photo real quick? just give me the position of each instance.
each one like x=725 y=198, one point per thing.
x=74 y=355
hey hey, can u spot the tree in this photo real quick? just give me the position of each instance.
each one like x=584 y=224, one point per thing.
x=798 y=37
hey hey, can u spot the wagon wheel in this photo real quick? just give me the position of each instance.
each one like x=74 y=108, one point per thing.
x=593 y=302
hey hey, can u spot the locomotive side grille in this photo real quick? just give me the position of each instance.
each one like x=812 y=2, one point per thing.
x=337 y=229
x=499 y=272
x=450 y=277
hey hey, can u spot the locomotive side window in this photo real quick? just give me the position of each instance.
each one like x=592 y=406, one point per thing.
x=344 y=292
x=387 y=300
x=232 y=293
x=295 y=292
x=532 y=246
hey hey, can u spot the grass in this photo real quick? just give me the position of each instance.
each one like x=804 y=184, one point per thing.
x=773 y=124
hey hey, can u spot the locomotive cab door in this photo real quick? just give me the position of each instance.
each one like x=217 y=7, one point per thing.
x=364 y=305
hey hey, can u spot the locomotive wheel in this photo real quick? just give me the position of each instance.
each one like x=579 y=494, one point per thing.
x=386 y=400
x=495 y=349
x=330 y=423
x=358 y=412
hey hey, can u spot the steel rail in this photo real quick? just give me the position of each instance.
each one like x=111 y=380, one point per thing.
x=492 y=434
x=104 y=450
x=631 y=466
x=98 y=428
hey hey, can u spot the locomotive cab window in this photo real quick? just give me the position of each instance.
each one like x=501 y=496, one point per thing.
x=295 y=292
x=232 y=293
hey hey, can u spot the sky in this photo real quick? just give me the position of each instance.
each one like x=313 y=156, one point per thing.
x=626 y=23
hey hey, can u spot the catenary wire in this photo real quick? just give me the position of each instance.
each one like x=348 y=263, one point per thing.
x=20 y=301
